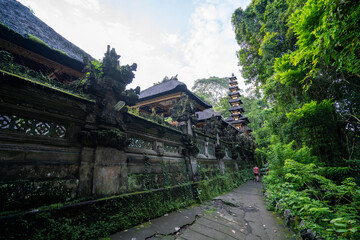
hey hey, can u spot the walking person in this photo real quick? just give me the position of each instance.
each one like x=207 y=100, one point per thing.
x=256 y=173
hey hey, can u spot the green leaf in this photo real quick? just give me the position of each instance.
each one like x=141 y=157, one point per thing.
x=340 y=224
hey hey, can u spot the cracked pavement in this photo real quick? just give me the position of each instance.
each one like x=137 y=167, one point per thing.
x=240 y=214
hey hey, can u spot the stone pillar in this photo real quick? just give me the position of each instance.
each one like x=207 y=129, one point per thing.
x=206 y=147
x=221 y=166
x=110 y=172
x=194 y=168
x=86 y=171
x=189 y=127
x=190 y=151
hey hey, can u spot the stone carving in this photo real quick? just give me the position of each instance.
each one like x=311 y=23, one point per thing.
x=110 y=138
x=183 y=110
x=190 y=146
x=229 y=133
x=219 y=151
x=160 y=149
x=212 y=126
x=106 y=81
x=166 y=78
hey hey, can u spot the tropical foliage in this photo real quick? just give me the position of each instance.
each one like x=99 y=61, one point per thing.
x=303 y=58
x=214 y=90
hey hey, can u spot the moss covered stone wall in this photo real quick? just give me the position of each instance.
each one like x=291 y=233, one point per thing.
x=101 y=217
x=57 y=184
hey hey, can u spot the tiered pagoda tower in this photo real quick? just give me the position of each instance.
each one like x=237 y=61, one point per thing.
x=237 y=119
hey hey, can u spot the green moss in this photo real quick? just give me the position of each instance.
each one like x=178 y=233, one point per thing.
x=61 y=52
x=4 y=26
x=133 y=182
x=150 y=119
x=211 y=210
x=8 y=66
x=47 y=85
x=36 y=39
x=23 y=195
x=143 y=225
x=102 y=217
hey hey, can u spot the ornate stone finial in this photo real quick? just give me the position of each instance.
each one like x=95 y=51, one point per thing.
x=174 y=77
x=166 y=78
x=105 y=80
x=212 y=125
x=110 y=61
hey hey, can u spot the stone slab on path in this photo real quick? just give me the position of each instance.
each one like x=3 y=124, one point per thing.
x=240 y=214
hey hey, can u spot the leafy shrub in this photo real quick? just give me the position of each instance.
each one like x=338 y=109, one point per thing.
x=329 y=209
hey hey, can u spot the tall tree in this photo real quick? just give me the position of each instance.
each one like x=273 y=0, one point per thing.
x=304 y=57
x=299 y=54
x=212 y=89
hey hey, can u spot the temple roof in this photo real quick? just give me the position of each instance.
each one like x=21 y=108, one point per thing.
x=229 y=119
x=234 y=93
x=242 y=119
x=236 y=115
x=236 y=108
x=206 y=114
x=238 y=122
x=235 y=100
x=24 y=29
x=168 y=87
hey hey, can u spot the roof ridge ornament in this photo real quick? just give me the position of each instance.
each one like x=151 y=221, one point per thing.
x=166 y=78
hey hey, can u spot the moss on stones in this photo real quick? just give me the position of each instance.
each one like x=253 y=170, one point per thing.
x=22 y=195
x=36 y=39
x=102 y=217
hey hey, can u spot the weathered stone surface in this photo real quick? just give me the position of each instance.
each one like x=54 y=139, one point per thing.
x=240 y=214
x=37 y=162
x=110 y=171
x=94 y=150
x=86 y=171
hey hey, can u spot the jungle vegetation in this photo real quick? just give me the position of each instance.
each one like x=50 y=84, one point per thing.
x=214 y=90
x=302 y=57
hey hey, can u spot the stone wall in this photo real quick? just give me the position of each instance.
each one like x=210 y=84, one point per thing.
x=44 y=158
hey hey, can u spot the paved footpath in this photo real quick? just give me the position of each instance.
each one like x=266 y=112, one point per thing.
x=240 y=214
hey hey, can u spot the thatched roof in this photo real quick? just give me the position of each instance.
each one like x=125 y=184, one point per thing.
x=235 y=100
x=234 y=94
x=206 y=114
x=236 y=108
x=168 y=87
x=19 y=19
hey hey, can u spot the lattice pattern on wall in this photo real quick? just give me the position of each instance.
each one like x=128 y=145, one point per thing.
x=211 y=150
x=171 y=148
x=14 y=123
x=141 y=144
x=201 y=147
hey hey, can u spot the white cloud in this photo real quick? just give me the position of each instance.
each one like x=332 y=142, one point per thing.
x=85 y=4
x=211 y=46
x=206 y=49
x=172 y=38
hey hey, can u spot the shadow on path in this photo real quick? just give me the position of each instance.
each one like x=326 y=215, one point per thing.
x=240 y=214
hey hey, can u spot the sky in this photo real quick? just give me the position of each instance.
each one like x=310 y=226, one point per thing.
x=191 y=38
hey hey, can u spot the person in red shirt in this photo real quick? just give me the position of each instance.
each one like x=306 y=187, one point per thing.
x=256 y=173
